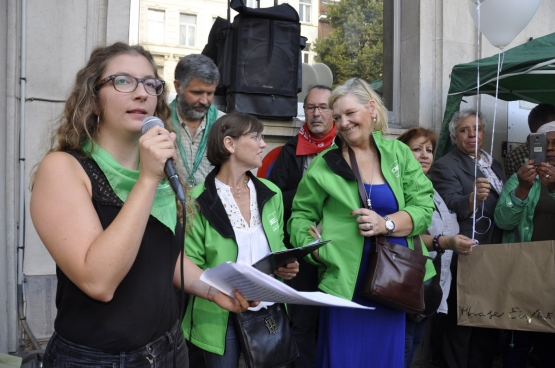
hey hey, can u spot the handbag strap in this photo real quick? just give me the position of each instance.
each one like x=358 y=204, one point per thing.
x=417 y=244
x=356 y=171
x=364 y=196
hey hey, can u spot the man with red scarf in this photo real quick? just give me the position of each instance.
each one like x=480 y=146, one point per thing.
x=315 y=135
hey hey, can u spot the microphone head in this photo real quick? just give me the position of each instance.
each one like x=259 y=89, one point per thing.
x=150 y=122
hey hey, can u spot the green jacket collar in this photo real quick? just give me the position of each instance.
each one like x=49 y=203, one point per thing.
x=337 y=164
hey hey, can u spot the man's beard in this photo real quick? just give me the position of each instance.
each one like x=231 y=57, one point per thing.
x=318 y=129
x=189 y=111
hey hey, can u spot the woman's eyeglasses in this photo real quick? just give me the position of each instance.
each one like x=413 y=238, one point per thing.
x=127 y=84
x=257 y=135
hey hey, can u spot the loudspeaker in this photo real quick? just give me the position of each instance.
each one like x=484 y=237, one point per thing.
x=259 y=58
x=266 y=56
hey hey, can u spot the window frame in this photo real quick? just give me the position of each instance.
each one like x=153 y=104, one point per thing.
x=187 y=28
x=151 y=37
x=306 y=5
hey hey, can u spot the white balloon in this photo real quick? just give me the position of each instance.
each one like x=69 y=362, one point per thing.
x=502 y=20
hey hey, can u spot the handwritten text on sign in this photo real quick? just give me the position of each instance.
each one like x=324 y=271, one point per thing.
x=514 y=313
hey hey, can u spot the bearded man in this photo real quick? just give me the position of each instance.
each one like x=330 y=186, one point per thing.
x=196 y=78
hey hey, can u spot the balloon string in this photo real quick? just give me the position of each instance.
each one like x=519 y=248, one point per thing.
x=476 y=124
x=500 y=60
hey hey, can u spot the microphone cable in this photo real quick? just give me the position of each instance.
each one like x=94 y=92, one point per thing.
x=182 y=282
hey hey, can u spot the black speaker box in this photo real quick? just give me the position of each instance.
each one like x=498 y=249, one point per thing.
x=260 y=64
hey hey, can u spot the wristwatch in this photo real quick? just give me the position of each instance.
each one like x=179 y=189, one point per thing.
x=389 y=225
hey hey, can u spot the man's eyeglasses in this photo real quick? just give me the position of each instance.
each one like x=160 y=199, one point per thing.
x=127 y=84
x=312 y=108
x=257 y=135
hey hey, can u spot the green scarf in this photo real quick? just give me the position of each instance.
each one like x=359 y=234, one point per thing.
x=211 y=117
x=122 y=180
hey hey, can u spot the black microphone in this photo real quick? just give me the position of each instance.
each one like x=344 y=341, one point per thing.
x=169 y=169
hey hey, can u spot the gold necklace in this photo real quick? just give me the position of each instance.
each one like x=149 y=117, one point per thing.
x=369 y=200
x=239 y=189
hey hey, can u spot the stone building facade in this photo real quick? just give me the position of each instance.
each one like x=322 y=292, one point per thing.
x=43 y=43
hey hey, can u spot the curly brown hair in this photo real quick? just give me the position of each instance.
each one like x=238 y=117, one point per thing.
x=79 y=121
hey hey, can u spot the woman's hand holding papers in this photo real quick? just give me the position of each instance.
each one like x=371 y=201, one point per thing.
x=237 y=304
x=289 y=271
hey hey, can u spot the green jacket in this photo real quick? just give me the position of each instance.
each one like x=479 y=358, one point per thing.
x=328 y=193
x=211 y=241
x=512 y=214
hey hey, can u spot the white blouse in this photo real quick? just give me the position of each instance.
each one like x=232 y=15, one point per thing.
x=252 y=243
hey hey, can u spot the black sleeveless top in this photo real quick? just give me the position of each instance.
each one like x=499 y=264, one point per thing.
x=144 y=305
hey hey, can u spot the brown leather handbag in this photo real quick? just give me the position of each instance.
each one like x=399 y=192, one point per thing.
x=395 y=275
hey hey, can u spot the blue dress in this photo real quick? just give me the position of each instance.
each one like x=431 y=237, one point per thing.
x=354 y=338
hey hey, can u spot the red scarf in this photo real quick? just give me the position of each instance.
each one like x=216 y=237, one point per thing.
x=307 y=144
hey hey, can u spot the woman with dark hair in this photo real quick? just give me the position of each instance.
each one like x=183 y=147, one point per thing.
x=441 y=237
x=240 y=219
x=401 y=206
x=112 y=227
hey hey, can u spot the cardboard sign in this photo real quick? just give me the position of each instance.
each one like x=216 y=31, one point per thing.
x=508 y=286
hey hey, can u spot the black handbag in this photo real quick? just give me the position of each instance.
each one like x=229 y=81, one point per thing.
x=432 y=294
x=266 y=337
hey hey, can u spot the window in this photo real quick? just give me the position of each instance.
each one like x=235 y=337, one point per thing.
x=159 y=60
x=252 y=4
x=306 y=53
x=304 y=10
x=156 y=29
x=187 y=29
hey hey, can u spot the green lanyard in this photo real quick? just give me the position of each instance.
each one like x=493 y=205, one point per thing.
x=211 y=116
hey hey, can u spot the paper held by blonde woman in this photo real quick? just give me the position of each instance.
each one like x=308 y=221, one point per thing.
x=256 y=285
x=508 y=286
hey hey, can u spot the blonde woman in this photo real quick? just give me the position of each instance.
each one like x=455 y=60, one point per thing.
x=401 y=206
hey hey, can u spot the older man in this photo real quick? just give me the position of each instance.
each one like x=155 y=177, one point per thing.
x=196 y=78
x=316 y=135
x=464 y=175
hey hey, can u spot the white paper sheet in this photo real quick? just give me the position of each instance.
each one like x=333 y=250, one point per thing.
x=256 y=285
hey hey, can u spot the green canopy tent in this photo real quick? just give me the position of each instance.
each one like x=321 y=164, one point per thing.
x=528 y=73
x=377 y=85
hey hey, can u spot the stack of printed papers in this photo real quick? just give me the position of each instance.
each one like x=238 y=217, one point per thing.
x=256 y=285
